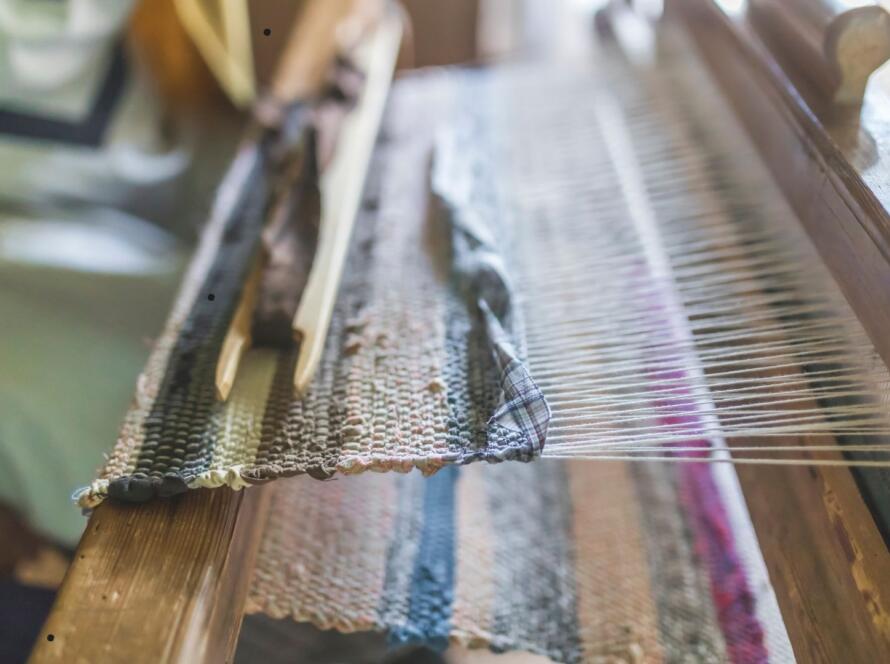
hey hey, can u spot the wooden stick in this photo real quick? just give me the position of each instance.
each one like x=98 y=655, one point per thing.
x=324 y=29
x=341 y=188
x=238 y=337
x=225 y=45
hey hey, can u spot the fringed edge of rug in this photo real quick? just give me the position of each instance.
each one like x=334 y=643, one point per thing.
x=243 y=475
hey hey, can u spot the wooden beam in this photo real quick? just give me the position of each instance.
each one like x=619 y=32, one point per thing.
x=159 y=582
x=827 y=562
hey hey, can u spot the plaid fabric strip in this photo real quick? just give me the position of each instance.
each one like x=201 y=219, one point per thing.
x=524 y=408
x=462 y=179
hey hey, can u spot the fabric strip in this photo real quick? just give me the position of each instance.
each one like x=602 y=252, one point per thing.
x=533 y=574
x=729 y=586
x=616 y=607
x=465 y=186
x=687 y=619
x=475 y=586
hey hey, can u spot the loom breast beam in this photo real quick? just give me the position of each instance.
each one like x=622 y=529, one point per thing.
x=157 y=583
x=326 y=29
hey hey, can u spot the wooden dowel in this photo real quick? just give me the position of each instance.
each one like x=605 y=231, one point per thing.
x=325 y=29
x=238 y=337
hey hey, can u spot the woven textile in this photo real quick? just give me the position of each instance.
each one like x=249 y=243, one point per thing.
x=578 y=561
x=575 y=560
x=418 y=370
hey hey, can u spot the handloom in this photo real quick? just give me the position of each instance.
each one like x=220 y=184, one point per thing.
x=604 y=230
x=656 y=318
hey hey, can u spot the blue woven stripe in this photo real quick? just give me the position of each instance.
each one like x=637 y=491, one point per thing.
x=432 y=585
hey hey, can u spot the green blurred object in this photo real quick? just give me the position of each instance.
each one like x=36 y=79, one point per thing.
x=81 y=294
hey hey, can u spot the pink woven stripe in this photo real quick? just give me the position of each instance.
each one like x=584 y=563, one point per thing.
x=715 y=545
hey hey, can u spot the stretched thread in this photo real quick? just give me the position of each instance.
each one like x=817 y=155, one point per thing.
x=751 y=342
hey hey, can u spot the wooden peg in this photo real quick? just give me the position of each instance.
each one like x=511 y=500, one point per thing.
x=835 y=44
x=238 y=337
x=324 y=30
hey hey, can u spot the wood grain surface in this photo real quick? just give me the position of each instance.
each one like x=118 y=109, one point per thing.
x=827 y=562
x=834 y=44
x=158 y=582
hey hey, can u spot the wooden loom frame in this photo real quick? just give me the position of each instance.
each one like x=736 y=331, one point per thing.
x=144 y=588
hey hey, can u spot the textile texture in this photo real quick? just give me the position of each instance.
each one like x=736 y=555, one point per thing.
x=422 y=366
x=577 y=561
x=593 y=561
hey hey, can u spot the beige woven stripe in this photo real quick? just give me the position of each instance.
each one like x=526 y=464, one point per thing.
x=122 y=460
x=323 y=555
x=392 y=360
x=475 y=594
x=240 y=427
x=616 y=609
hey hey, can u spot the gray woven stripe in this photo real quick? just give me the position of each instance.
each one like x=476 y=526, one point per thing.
x=681 y=586
x=533 y=506
x=179 y=430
